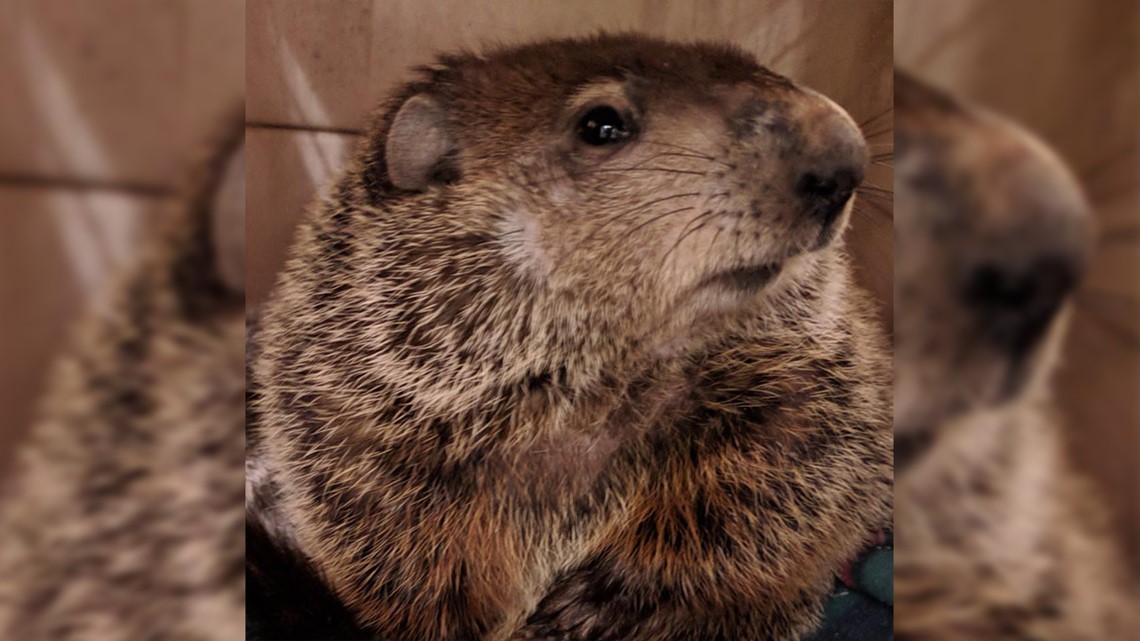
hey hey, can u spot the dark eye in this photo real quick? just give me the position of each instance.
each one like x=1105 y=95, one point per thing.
x=603 y=125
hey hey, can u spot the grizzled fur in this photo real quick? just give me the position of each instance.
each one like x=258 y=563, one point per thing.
x=123 y=519
x=996 y=538
x=571 y=392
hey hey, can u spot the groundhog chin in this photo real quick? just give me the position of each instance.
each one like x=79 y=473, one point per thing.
x=747 y=280
x=744 y=291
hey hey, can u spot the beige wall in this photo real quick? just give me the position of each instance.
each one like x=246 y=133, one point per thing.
x=324 y=64
x=1068 y=71
x=104 y=104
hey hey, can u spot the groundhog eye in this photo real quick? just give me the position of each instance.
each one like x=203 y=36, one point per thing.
x=603 y=125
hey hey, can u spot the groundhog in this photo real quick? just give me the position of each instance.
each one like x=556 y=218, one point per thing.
x=572 y=351
x=996 y=537
x=123 y=519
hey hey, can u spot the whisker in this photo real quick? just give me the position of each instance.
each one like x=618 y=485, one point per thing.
x=676 y=146
x=685 y=234
x=882 y=200
x=1108 y=294
x=876 y=209
x=627 y=212
x=666 y=170
x=875 y=188
x=887 y=130
x=1126 y=235
x=688 y=152
x=877 y=116
x=879 y=193
x=1109 y=160
x=1112 y=193
x=659 y=217
x=618 y=245
x=677 y=154
x=611 y=170
x=1112 y=327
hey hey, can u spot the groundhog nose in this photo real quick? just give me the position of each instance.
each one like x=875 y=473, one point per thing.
x=825 y=194
x=834 y=160
x=1015 y=305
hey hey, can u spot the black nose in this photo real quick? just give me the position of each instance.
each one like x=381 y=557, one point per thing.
x=1014 y=306
x=825 y=193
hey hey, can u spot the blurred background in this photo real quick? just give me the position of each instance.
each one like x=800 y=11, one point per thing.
x=1069 y=72
x=105 y=105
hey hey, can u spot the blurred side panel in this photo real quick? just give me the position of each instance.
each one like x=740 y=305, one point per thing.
x=108 y=105
x=1070 y=73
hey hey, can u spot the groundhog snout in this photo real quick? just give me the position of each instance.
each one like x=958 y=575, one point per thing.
x=823 y=152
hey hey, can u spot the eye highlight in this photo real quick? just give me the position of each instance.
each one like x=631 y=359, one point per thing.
x=603 y=125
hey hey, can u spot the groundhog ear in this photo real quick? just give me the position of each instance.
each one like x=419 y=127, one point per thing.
x=419 y=148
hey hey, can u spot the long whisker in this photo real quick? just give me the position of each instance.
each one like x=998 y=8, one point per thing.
x=874 y=208
x=1125 y=235
x=685 y=234
x=1109 y=160
x=658 y=217
x=1112 y=327
x=618 y=245
x=636 y=208
x=1110 y=194
x=611 y=170
x=697 y=156
x=886 y=130
x=663 y=154
x=674 y=145
x=875 y=188
x=667 y=170
x=1107 y=294
x=877 y=116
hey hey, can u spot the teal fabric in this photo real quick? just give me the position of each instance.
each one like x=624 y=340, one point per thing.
x=863 y=611
x=874 y=575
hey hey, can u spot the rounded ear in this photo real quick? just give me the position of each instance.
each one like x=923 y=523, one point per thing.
x=418 y=144
x=227 y=221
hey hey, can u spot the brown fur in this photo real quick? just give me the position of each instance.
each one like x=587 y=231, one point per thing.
x=123 y=519
x=535 y=400
x=996 y=537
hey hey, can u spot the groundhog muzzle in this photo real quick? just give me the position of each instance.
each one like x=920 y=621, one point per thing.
x=571 y=351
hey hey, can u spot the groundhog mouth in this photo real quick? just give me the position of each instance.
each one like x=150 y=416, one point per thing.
x=748 y=278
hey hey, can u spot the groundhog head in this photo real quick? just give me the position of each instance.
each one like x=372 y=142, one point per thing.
x=991 y=235
x=558 y=208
